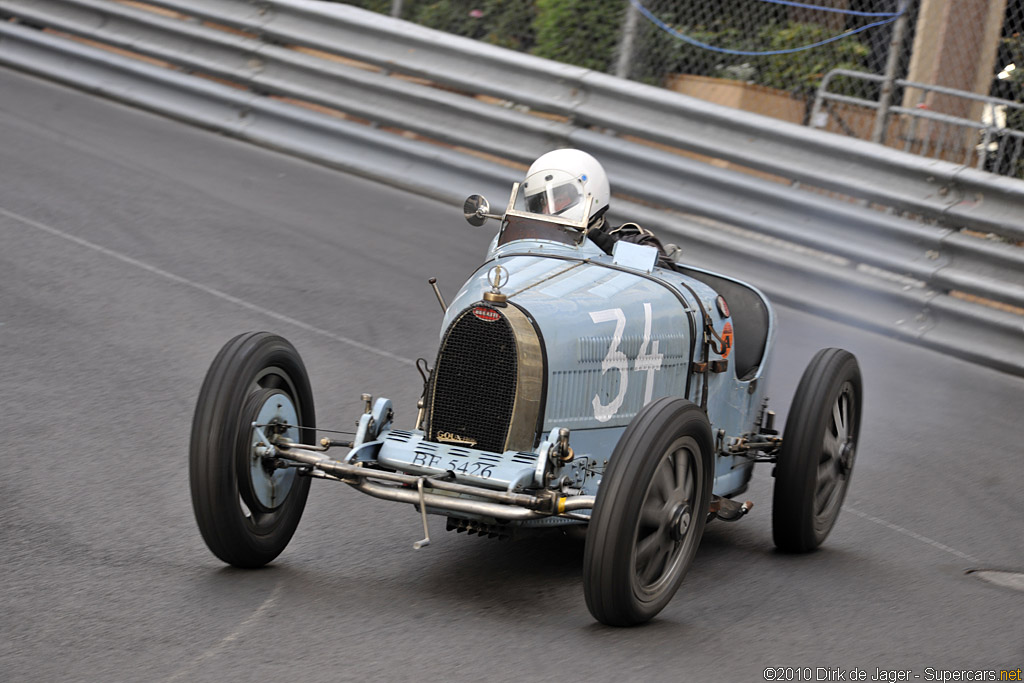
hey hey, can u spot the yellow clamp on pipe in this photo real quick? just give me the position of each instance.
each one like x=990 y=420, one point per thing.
x=561 y=505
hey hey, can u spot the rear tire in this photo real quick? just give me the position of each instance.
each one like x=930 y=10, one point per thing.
x=246 y=511
x=649 y=514
x=818 y=448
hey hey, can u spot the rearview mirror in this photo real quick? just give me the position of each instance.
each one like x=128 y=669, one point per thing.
x=476 y=210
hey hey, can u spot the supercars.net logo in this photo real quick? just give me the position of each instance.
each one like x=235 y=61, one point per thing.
x=879 y=674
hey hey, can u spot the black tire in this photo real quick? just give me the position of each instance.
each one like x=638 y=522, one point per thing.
x=818 y=448
x=247 y=514
x=649 y=514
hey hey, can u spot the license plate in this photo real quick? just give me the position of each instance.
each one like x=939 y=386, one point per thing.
x=408 y=452
x=483 y=468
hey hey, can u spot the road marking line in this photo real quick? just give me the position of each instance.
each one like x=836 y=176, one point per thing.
x=242 y=629
x=901 y=530
x=204 y=288
x=364 y=347
x=913 y=534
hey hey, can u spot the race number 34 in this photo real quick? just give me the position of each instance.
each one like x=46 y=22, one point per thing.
x=648 y=361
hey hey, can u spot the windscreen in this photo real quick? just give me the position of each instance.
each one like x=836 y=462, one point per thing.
x=521 y=228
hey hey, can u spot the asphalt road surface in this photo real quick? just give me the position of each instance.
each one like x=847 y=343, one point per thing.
x=132 y=247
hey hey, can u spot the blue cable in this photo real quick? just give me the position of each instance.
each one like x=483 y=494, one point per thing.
x=848 y=12
x=751 y=53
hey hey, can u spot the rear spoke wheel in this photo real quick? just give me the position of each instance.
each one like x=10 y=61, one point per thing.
x=818 y=449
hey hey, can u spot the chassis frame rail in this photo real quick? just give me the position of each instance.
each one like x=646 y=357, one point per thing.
x=503 y=505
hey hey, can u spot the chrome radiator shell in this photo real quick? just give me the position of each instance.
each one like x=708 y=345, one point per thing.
x=488 y=383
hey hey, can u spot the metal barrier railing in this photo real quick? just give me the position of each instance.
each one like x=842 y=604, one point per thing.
x=994 y=147
x=307 y=77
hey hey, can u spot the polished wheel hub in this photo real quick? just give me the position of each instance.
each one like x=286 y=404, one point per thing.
x=682 y=518
x=271 y=485
x=846 y=457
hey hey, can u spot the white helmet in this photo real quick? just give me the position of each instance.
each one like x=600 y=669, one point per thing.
x=559 y=182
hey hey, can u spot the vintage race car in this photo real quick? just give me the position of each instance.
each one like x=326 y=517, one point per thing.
x=618 y=395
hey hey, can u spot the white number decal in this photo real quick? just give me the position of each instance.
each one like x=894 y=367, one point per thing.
x=614 y=359
x=648 y=360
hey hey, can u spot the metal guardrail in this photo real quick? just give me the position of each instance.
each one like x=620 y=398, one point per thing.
x=992 y=134
x=854 y=262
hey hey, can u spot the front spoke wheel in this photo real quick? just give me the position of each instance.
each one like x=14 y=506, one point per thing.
x=649 y=514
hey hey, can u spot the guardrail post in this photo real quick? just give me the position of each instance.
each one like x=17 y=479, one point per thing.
x=624 y=62
x=891 y=63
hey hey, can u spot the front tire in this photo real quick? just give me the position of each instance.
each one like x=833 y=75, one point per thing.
x=818 y=448
x=649 y=514
x=246 y=510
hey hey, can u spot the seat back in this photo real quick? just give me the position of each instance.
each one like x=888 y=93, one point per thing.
x=749 y=319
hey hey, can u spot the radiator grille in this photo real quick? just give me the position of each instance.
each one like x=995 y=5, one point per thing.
x=475 y=382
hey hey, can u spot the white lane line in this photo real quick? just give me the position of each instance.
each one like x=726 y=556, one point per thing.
x=239 y=632
x=901 y=530
x=912 y=534
x=364 y=347
x=203 y=288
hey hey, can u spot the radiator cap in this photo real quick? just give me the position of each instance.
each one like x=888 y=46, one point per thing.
x=498 y=277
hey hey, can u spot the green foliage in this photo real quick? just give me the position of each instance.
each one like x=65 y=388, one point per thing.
x=511 y=23
x=507 y=23
x=581 y=32
x=381 y=6
x=587 y=33
x=1011 y=51
x=801 y=72
x=661 y=54
x=453 y=16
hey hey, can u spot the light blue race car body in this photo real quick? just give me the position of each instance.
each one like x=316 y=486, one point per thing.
x=584 y=383
x=616 y=331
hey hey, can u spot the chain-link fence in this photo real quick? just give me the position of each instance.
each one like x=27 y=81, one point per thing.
x=933 y=77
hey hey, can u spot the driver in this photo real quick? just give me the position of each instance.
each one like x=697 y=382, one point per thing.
x=561 y=182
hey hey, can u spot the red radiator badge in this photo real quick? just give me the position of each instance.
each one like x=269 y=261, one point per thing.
x=486 y=314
